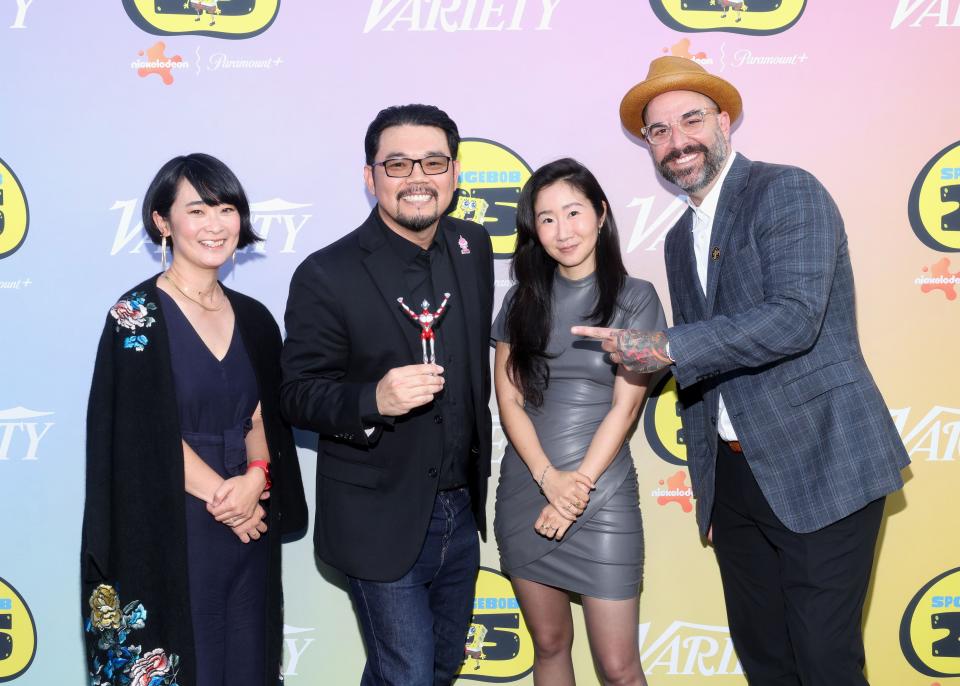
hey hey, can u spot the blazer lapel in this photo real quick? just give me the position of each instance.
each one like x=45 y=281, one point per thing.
x=685 y=264
x=384 y=271
x=731 y=196
x=465 y=269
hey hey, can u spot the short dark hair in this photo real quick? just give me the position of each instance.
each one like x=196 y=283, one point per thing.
x=211 y=178
x=410 y=115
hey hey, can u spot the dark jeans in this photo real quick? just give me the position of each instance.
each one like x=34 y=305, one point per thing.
x=794 y=601
x=415 y=628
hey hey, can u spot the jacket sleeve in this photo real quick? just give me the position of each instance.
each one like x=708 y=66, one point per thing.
x=315 y=394
x=798 y=233
x=95 y=544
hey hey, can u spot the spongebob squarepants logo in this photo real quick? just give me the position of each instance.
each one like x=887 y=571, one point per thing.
x=758 y=17
x=217 y=18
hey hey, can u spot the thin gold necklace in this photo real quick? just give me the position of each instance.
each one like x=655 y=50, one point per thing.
x=186 y=295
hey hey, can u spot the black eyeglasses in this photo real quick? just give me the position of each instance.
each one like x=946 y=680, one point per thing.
x=399 y=167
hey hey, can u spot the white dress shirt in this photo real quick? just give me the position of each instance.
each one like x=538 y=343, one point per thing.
x=702 y=229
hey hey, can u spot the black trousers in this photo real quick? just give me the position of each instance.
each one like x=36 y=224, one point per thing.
x=794 y=601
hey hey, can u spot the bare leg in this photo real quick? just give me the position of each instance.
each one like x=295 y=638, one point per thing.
x=546 y=610
x=612 y=630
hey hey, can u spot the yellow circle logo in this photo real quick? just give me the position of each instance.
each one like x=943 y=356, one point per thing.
x=756 y=17
x=217 y=18
x=662 y=425
x=930 y=629
x=491 y=177
x=499 y=647
x=934 y=206
x=14 y=215
x=18 y=634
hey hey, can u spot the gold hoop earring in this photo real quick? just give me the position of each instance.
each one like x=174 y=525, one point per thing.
x=163 y=253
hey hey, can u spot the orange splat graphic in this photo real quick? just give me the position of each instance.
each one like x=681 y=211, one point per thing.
x=155 y=54
x=941 y=269
x=682 y=49
x=675 y=483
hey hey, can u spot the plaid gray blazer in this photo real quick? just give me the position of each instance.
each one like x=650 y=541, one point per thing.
x=777 y=335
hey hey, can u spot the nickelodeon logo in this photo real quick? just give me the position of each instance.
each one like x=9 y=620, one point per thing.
x=755 y=17
x=234 y=19
x=489 y=185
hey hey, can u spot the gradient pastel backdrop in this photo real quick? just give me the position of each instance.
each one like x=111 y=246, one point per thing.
x=869 y=106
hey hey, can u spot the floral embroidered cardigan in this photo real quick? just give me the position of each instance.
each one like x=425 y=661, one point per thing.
x=133 y=562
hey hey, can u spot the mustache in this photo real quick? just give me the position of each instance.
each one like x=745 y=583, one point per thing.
x=687 y=150
x=417 y=190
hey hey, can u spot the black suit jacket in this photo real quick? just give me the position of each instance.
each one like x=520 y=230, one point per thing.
x=345 y=330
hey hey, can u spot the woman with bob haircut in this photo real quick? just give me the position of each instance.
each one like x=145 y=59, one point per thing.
x=567 y=509
x=192 y=475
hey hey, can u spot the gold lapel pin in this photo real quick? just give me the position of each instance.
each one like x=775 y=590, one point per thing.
x=715 y=253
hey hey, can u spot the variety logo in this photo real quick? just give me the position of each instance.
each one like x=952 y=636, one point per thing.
x=296 y=645
x=757 y=17
x=689 y=649
x=470 y=15
x=491 y=177
x=18 y=634
x=930 y=628
x=21 y=431
x=499 y=647
x=649 y=236
x=14 y=213
x=661 y=422
x=934 y=204
x=21 y=16
x=674 y=489
x=915 y=13
x=935 y=438
x=218 y=18
x=940 y=279
x=277 y=221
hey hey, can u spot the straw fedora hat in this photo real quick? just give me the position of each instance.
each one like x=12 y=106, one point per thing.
x=676 y=74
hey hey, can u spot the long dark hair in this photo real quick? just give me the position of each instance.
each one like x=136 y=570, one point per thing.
x=531 y=312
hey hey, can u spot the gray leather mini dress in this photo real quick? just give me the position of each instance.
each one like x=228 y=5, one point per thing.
x=601 y=555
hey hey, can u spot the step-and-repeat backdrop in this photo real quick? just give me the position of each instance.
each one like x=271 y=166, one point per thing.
x=97 y=95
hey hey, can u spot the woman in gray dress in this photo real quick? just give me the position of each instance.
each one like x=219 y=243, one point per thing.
x=567 y=510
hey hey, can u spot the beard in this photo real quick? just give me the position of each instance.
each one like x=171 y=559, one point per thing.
x=423 y=220
x=695 y=179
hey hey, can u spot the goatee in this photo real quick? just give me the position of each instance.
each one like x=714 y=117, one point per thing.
x=693 y=179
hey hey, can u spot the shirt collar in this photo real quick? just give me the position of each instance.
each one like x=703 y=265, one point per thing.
x=407 y=251
x=708 y=208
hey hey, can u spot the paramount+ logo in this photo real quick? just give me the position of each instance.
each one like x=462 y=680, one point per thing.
x=753 y=17
x=217 y=18
x=934 y=205
x=18 y=634
x=930 y=629
x=491 y=178
x=499 y=647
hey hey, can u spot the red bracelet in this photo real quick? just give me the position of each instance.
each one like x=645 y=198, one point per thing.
x=265 y=466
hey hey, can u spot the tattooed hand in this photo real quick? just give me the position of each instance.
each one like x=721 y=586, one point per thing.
x=638 y=351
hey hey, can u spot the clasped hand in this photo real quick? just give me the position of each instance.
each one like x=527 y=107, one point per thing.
x=567 y=491
x=236 y=504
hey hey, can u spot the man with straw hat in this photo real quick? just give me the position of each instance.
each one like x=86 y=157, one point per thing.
x=790 y=445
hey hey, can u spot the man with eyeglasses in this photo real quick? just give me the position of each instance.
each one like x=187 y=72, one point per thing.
x=404 y=443
x=790 y=445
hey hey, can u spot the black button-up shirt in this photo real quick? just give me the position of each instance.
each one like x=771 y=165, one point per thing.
x=428 y=274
